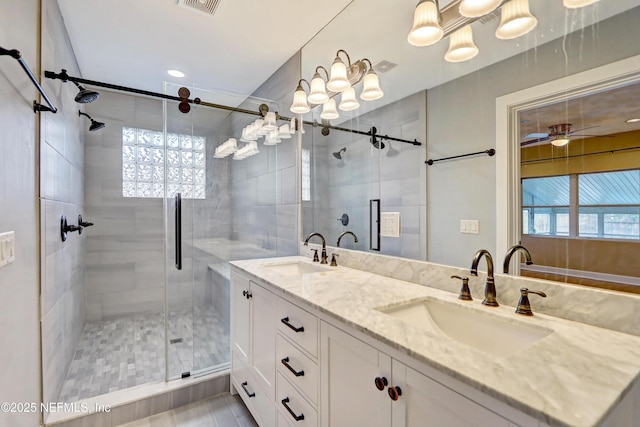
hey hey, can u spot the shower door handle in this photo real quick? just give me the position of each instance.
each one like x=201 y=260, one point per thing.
x=178 y=229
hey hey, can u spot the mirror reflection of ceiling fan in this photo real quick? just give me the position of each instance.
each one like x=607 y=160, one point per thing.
x=559 y=135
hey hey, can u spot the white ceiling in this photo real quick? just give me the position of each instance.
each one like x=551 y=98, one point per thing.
x=133 y=42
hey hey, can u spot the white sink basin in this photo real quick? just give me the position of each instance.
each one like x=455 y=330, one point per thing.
x=295 y=268
x=474 y=327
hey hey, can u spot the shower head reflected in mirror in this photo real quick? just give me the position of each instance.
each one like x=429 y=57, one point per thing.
x=338 y=154
x=95 y=125
x=85 y=96
x=392 y=152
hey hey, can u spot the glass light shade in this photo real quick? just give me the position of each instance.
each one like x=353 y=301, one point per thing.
x=318 y=94
x=260 y=129
x=283 y=131
x=272 y=138
x=574 y=4
x=300 y=105
x=560 y=142
x=338 y=81
x=426 y=26
x=348 y=100
x=247 y=134
x=461 y=46
x=477 y=8
x=270 y=122
x=371 y=87
x=329 y=111
x=516 y=20
x=292 y=128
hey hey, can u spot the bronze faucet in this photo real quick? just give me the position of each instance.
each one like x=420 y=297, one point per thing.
x=513 y=249
x=490 y=288
x=324 y=245
x=523 y=304
x=355 y=238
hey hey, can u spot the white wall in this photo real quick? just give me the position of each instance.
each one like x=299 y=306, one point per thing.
x=19 y=333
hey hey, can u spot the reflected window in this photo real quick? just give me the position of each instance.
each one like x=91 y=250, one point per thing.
x=545 y=208
x=144 y=164
x=306 y=175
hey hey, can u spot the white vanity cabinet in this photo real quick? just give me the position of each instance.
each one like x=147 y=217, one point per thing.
x=253 y=330
x=352 y=374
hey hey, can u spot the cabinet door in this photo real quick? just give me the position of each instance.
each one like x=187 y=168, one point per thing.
x=240 y=316
x=427 y=403
x=348 y=372
x=263 y=335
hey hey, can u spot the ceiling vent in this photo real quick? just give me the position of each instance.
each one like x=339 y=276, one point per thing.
x=383 y=66
x=207 y=7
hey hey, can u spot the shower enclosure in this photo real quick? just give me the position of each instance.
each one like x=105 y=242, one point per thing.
x=168 y=217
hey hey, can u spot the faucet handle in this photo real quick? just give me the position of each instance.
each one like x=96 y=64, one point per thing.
x=465 y=293
x=524 y=307
x=315 y=255
x=333 y=260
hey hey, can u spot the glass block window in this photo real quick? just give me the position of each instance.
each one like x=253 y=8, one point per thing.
x=144 y=163
x=306 y=175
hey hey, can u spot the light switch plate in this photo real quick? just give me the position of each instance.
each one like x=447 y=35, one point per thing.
x=470 y=226
x=7 y=248
x=390 y=224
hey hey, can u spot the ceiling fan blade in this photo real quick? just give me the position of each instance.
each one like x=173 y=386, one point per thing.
x=578 y=130
x=596 y=136
x=533 y=141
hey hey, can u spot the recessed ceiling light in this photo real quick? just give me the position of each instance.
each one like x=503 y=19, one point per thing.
x=635 y=120
x=175 y=73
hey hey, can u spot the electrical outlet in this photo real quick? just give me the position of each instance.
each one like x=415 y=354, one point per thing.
x=7 y=248
x=469 y=226
x=390 y=224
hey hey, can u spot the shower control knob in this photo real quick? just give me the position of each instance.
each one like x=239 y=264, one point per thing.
x=247 y=294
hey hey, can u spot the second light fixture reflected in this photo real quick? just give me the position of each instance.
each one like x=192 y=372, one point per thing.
x=341 y=80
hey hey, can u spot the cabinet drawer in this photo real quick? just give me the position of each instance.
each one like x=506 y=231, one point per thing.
x=255 y=398
x=291 y=404
x=299 y=325
x=307 y=379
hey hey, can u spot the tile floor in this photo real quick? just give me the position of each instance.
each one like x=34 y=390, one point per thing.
x=126 y=352
x=220 y=411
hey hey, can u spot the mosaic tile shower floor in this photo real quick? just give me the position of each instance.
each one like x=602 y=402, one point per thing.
x=126 y=352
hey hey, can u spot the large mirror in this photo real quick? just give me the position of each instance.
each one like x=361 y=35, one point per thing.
x=450 y=209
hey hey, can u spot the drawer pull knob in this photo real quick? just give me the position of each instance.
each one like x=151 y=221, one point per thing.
x=285 y=362
x=293 y=414
x=285 y=320
x=244 y=387
x=394 y=392
x=381 y=383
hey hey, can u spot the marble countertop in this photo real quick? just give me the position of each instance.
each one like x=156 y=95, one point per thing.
x=572 y=377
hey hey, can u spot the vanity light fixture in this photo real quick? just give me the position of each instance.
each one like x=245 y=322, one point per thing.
x=574 y=4
x=230 y=146
x=338 y=82
x=342 y=79
x=516 y=20
x=461 y=46
x=329 y=111
x=348 y=101
x=477 y=8
x=426 y=28
x=318 y=91
x=300 y=105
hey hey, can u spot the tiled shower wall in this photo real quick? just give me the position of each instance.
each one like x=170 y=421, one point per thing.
x=61 y=193
x=265 y=186
x=395 y=175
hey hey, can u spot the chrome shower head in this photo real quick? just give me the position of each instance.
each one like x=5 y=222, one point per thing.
x=338 y=154
x=85 y=96
x=95 y=125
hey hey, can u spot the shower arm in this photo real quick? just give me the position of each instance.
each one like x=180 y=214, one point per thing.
x=262 y=110
x=15 y=54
